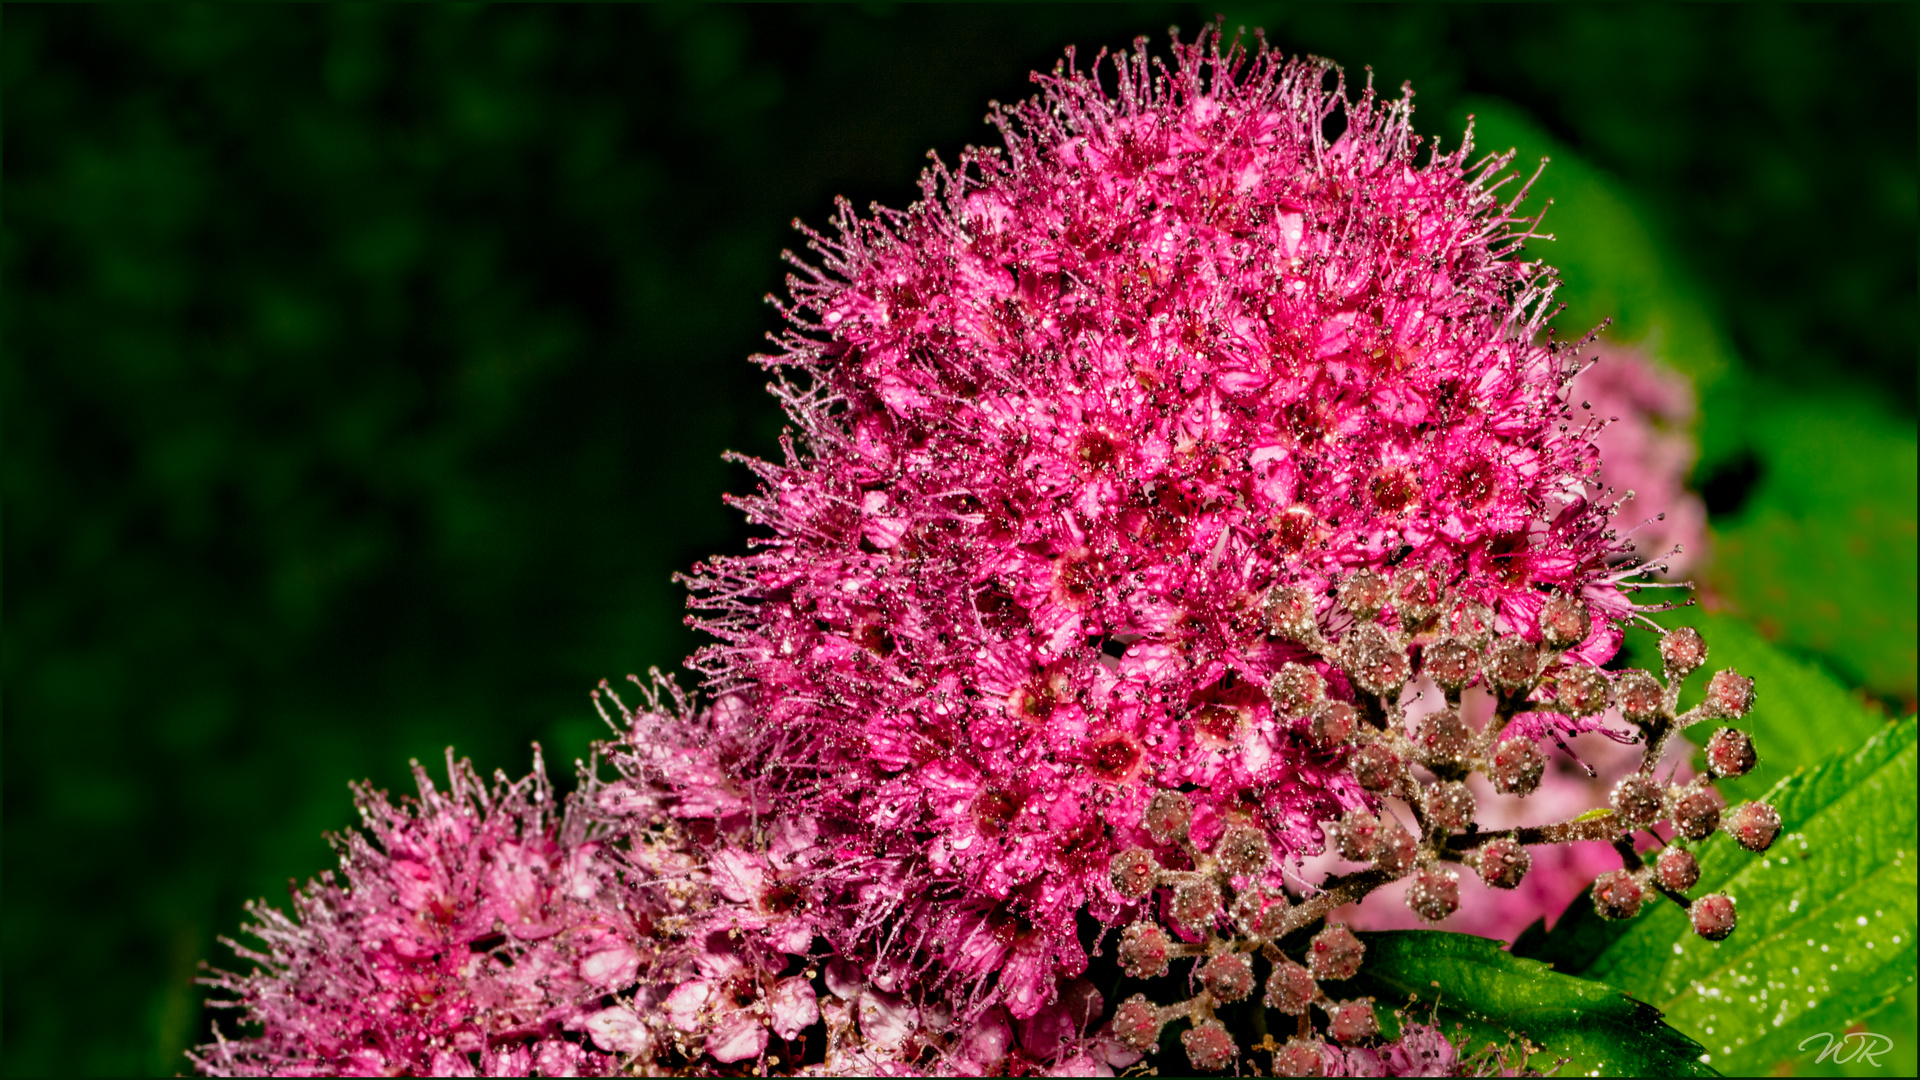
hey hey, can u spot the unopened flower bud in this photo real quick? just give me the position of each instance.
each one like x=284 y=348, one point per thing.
x=1375 y=662
x=1713 y=916
x=1133 y=873
x=1677 y=869
x=1639 y=696
x=1259 y=913
x=1416 y=596
x=1289 y=613
x=1209 y=1046
x=1639 y=800
x=1695 y=810
x=1196 y=903
x=1517 y=767
x=1137 y=1023
x=1394 y=848
x=1469 y=622
x=1228 y=976
x=1145 y=950
x=1753 y=825
x=1335 y=953
x=1450 y=662
x=1563 y=621
x=1450 y=805
x=1729 y=694
x=1435 y=893
x=1617 y=894
x=1511 y=663
x=1290 y=989
x=1169 y=814
x=1376 y=767
x=1334 y=722
x=1364 y=594
x=1730 y=753
x=1242 y=850
x=1300 y=1057
x=1445 y=738
x=1295 y=690
x=1503 y=862
x=1355 y=834
x=1581 y=690
x=1683 y=651
x=1352 y=1021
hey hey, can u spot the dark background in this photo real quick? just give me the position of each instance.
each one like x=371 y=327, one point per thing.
x=367 y=370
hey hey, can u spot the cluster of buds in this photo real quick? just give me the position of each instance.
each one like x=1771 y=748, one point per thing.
x=1453 y=641
x=1219 y=915
x=1219 y=910
x=1642 y=801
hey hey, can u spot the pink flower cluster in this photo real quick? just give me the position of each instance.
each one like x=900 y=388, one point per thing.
x=471 y=931
x=1158 y=484
x=487 y=931
x=1646 y=450
x=1066 y=423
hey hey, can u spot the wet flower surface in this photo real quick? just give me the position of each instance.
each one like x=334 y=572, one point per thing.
x=1181 y=500
x=1063 y=428
x=473 y=928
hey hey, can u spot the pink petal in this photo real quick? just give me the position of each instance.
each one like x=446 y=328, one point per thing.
x=737 y=1038
x=794 y=1007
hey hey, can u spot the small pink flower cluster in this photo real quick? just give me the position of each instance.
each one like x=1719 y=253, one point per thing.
x=1162 y=481
x=470 y=931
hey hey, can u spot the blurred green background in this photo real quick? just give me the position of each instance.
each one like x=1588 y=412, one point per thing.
x=367 y=370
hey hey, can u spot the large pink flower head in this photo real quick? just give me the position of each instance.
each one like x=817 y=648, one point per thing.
x=1095 y=440
x=1181 y=493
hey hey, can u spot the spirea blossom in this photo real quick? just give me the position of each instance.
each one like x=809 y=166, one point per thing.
x=1182 y=492
x=1100 y=440
x=469 y=929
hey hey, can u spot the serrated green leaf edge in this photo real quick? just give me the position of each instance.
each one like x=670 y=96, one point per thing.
x=1472 y=983
x=1827 y=916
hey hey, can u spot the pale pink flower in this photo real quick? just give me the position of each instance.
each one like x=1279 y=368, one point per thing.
x=473 y=930
x=1646 y=449
x=1421 y=1050
x=733 y=1003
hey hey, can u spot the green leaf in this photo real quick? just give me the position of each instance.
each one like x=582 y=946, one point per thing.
x=1800 y=713
x=1471 y=984
x=1827 y=917
x=1822 y=554
x=1578 y=937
